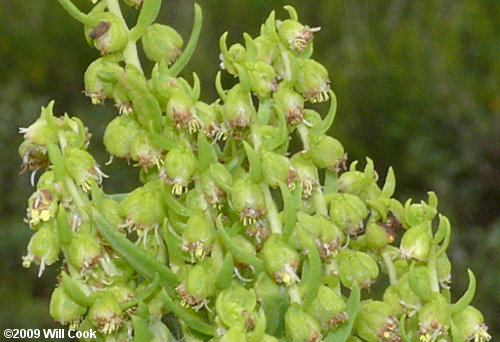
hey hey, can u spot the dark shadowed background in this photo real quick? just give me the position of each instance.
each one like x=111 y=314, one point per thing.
x=417 y=84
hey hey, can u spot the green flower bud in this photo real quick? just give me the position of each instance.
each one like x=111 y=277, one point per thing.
x=43 y=131
x=145 y=151
x=235 y=306
x=313 y=81
x=209 y=180
x=290 y=103
x=198 y=286
x=238 y=110
x=123 y=292
x=375 y=322
x=356 y=266
x=295 y=36
x=181 y=111
x=42 y=205
x=470 y=322
x=120 y=135
x=63 y=309
x=377 y=237
x=199 y=236
x=263 y=79
x=360 y=183
x=401 y=267
x=301 y=326
x=416 y=243
x=162 y=43
x=195 y=200
x=348 y=212
x=105 y=313
x=417 y=213
x=434 y=319
x=178 y=169
x=207 y=115
x=266 y=49
x=307 y=173
x=276 y=168
x=100 y=79
x=43 y=248
x=235 y=55
x=328 y=308
x=281 y=260
x=84 y=251
x=82 y=167
x=143 y=208
x=327 y=152
x=110 y=35
x=328 y=237
x=72 y=132
x=248 y=200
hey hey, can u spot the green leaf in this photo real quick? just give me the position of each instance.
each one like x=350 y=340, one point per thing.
x=344 y=330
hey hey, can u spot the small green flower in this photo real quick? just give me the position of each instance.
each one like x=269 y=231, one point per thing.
x=356 y=266
x=209 y=181
x=416 y=243
x=434 y=319
x=443 y=267
x=63 y=309
x=238 y=111
x=313 y=82
x=44 y=130
x=181 y=111
x=301 y=326
x=198 y=236
x=328 y=308
x=377 y=237
x=276 y=168
x=82 y=167
x=145 y=151
x=178 y=169
x=307 y=173
x=84 y=251
x=262 y=79
x=375 y=322
x=162 y=43
x=471 y=324
x=143 y=208
x=290 y=103
x=198 y=286
x=105 y=313
x=248 y=201
x=327 y=152
x=110 y=35
x=100 y=79
x=280 y=260
x=295 y=36
x=120 y=135
x=43 y=248
x=42 y=205
x=266 y=49
x=348 y=212
x=235 y=306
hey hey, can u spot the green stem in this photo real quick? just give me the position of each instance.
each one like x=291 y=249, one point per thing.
x=148 y=14
x=304 y=135
x=393 y=278
x=272 y=210
x=191 y=45
x=76 y=13
x=130 y=54
x=432 y=267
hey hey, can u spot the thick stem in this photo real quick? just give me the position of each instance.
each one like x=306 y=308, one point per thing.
x=432 y=267
x=130 y=54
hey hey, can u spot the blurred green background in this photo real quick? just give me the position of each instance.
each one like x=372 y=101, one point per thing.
x=417 y=84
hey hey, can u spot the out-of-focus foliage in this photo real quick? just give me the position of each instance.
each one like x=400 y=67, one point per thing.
x=418 y=88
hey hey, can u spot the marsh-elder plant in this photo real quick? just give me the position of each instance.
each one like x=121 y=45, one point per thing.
x=234 y=234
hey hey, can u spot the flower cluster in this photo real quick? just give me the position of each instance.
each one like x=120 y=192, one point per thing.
x=231 y=236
